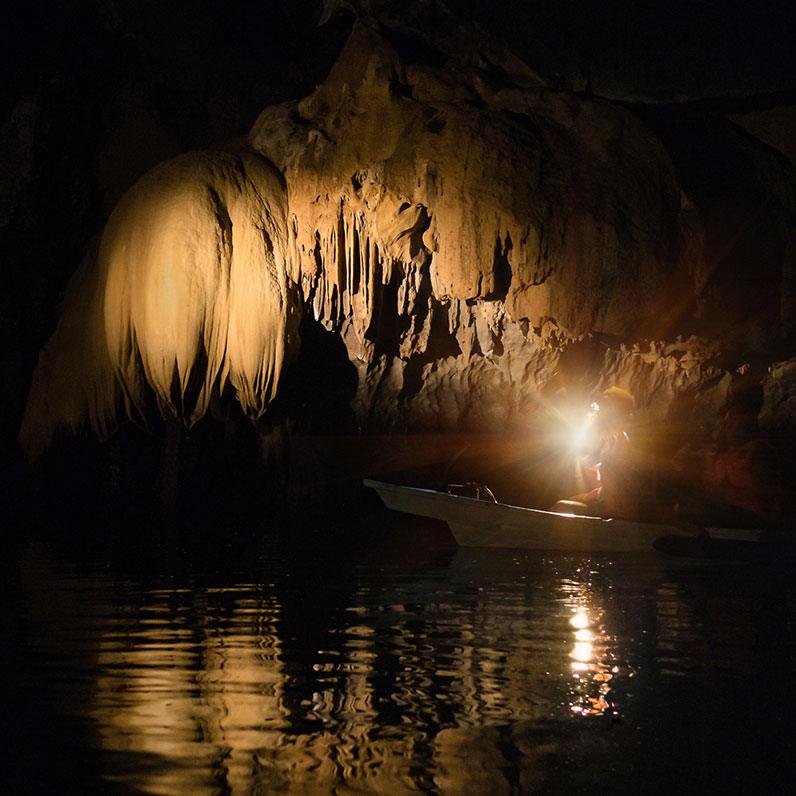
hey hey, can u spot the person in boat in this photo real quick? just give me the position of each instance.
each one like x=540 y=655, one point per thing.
x=607 y=470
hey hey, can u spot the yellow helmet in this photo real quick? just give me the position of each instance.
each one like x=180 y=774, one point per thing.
x=618 y=399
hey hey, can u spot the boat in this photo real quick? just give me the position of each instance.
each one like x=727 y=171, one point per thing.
x=482 y=521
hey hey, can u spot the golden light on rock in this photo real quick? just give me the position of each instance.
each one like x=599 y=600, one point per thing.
x=355 y=206
x=187 y=292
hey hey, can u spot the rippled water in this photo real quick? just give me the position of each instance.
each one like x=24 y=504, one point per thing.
x=382 y=671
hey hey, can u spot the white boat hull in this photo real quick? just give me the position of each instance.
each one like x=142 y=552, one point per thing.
x=478 y=523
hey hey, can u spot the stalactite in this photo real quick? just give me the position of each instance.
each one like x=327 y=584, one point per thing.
x=188 y=291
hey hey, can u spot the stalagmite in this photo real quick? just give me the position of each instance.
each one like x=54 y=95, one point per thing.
x=189 y=291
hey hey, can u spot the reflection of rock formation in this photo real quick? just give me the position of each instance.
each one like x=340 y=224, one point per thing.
x=166 y=697
x=468 y=762
x=461 y=679
x=235 y=708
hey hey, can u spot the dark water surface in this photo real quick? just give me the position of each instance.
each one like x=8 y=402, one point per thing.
x=260 y=668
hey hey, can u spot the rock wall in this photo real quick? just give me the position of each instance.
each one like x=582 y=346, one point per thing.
x=482 y=241
x=467 y=237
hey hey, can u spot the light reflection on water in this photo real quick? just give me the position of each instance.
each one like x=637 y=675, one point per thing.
x=593 y=662
x=481 y=673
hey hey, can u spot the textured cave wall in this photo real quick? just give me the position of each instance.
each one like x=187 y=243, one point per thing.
x=626 y=50
x=486 y=215
x=466 y=237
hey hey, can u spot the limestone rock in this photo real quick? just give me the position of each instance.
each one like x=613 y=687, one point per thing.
x=778 y=415
x=188 y=292
x=482 y=238
x=459 y=237
x=73 y=383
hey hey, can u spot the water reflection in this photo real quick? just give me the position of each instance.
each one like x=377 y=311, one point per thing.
x=479 y=675
x=592 y=656
x=194 y=680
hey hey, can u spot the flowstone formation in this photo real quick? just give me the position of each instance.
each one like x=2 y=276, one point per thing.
x=187 y=294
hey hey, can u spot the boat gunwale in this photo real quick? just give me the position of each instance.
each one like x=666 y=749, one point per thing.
x=738 y=534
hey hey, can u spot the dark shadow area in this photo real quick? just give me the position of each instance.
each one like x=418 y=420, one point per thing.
x=317 y=388
x=745 y=230
x=501 y=269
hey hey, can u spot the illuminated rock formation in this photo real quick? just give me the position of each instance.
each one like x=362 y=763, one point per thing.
x=479 y=237
x=459 y=232
x=73 y=384
x=565 y=207
x=189 y=291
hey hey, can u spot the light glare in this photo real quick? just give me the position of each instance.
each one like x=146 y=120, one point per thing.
x=579 y=620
